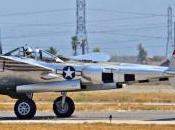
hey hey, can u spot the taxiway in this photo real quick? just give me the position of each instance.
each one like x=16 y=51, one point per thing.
x=118 y=117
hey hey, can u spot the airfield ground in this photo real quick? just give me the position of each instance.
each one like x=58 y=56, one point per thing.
x=145 y=97
x=103 y=106
x=131 y=98
x=85 y=127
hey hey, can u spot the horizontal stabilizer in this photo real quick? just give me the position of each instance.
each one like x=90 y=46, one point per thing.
x=94 y=57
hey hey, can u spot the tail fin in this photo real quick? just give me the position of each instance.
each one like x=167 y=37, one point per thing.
x=172 y=62
x=93 y=57
x=171 y=70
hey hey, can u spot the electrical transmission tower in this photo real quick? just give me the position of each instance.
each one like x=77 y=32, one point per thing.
x=174 y=37
x=0 y=43
x=169 y=44
x=81 y=32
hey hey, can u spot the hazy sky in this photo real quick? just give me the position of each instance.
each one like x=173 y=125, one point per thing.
x=115 y=26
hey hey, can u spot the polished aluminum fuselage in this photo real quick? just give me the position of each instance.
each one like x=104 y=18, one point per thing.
x=23 y=71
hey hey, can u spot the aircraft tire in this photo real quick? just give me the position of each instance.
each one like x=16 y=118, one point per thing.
x=68 y=109
x=25 y=108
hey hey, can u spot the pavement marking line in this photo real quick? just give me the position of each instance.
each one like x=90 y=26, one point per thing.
x=129 y=122
x=99 y=103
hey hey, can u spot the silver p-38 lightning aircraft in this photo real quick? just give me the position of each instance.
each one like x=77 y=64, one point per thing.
x=24 y=72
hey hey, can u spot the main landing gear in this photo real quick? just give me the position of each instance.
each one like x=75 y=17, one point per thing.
x=63 y=106
x=26 y=109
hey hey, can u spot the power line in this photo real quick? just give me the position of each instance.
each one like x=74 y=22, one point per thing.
x=127 y=25
x=130 y=29
x=72 y=9
x=112 y=30
x=122 y=18
x=36 y=12
x=108 y=32
x=66 y=24
x=63 y=24
x=123 y=34
x=126 y=41
x=127 y=12
x=35 y=35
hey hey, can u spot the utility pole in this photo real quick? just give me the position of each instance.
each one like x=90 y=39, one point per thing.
x=169 y=31
x=81 y=32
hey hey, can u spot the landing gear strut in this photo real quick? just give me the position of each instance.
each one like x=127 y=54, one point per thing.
x=63 y=106
x=25 y=108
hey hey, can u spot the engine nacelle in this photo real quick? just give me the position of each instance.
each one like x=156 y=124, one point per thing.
x=105 y=86
x=58 y=86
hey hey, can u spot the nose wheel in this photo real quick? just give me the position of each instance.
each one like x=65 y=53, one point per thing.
x=25 y=108
x=63 y=107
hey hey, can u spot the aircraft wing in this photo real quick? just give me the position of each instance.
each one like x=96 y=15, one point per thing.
x=19 y=64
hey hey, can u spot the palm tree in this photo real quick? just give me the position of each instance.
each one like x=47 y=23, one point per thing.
x=74 y=44
x=52 y=50
x=142 y=54
x=96 y=49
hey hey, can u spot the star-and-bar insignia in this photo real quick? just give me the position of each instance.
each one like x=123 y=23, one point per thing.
x=68 y=73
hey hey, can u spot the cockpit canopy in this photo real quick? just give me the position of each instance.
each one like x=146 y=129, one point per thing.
x=37 y=54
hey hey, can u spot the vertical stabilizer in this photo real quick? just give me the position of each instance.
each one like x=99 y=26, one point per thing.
x=172 y=62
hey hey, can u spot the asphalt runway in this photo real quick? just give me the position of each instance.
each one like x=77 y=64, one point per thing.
x=137 y=117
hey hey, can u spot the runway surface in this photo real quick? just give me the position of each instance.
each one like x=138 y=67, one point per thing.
x=137 y=117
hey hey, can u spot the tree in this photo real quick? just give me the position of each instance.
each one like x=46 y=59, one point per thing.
x=74 y=44
x=52 y=50
x=96 y=49
x=142 y=54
